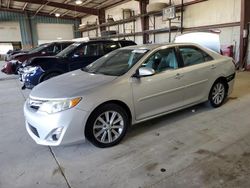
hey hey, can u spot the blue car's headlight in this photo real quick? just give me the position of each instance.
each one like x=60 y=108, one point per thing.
x=31 y=70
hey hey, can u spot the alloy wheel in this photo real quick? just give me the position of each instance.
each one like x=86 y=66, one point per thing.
x=108 y=127
x=218 y=93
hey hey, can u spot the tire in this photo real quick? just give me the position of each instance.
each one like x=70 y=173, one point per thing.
x=48 y=76
x=100 y=132
x=218 y=94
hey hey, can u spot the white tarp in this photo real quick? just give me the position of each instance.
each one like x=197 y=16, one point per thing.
x=208 y=40
x=5 y=47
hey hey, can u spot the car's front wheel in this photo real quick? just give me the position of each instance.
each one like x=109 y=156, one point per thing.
x=218 y=94
x=107 y=125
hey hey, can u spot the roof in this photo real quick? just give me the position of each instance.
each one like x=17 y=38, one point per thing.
x=66 y=8
x=147 y=46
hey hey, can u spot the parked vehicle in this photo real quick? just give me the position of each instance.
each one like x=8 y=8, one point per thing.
x=125 y=87
x=11 y=67
x=76 y=56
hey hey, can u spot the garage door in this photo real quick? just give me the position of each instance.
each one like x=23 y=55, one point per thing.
x=10 y=32
x=52 y=32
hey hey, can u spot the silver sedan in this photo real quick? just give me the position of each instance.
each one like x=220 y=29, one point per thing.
x=125 y=87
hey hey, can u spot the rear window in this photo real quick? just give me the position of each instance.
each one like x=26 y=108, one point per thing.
x=110 y=46
x=193 y=56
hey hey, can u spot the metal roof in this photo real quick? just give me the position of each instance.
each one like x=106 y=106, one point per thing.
x=66 y=8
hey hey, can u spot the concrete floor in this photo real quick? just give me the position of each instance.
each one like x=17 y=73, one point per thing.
x=197 y=147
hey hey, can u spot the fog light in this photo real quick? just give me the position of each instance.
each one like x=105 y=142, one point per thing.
x=55 y=134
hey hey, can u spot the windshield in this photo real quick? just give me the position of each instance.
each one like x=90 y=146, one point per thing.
x=38 y=48
x=68 y=50
x=117 y=62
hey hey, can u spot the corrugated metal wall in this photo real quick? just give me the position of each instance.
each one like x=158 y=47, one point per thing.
x=28 y=25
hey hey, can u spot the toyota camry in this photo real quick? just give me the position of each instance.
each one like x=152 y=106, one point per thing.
x=125 y=87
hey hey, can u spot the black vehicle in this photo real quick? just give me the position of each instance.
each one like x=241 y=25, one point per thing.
x=75 y=56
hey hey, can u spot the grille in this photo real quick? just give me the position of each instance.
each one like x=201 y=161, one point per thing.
x=34 y=130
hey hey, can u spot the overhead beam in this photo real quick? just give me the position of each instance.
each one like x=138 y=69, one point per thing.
x=39 y=9
x=8 y=4
x=84 y=3
x=86 y=10
x=65 y=13
x=24 y=6
x=53 y=11
x=111 y=3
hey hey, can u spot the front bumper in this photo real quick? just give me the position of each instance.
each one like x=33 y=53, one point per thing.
x=42 y=127
x=31 y=79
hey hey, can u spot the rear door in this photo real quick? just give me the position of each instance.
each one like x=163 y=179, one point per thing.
x=84 y=55
x=195 y=73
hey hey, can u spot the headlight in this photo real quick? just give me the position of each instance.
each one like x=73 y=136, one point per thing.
x=59 y=105
x=29 y=69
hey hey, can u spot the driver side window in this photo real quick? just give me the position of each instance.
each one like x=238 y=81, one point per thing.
x=162 y=60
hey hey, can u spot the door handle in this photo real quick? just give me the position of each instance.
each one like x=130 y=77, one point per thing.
x=178 y=76
x=213 y=67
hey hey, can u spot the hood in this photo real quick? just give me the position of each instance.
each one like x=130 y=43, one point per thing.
x=39 y=59
x=71 y=84
x=19 y=54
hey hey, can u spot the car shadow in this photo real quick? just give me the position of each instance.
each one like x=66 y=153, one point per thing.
x=167 y=119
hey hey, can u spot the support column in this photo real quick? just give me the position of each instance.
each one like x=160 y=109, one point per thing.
x=244 y=27
x=102 y=19
x=144 y=20
x=26 y=31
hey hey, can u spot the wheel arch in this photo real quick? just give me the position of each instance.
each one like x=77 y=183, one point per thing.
x=224 y=80
x=117 y=102
x=49 y=72
x=221 y=78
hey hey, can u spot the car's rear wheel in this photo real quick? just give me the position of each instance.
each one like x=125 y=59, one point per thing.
x=48 y=76
x=218 y=94
x=107 y=125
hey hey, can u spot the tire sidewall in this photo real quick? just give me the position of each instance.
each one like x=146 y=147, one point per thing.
x=95 y=114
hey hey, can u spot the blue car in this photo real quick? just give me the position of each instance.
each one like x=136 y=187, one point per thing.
x=75 y=56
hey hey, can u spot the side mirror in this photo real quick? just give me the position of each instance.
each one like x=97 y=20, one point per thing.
x=144 y=71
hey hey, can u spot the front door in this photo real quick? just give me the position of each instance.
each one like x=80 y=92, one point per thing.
x=162 y=91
